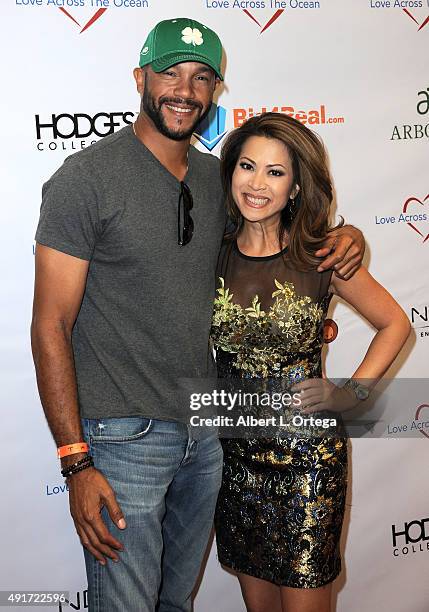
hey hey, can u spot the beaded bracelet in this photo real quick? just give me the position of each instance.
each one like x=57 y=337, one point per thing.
x=78 y=466
x=73 y=465
x=68 y=473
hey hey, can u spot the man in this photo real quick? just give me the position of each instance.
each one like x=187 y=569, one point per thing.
x=126 y=251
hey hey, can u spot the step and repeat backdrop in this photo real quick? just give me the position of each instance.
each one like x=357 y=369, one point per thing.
x=357 y=72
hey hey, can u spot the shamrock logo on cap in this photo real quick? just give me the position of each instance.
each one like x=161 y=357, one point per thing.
x=192 y=36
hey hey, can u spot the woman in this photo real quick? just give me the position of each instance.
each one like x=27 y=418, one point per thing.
x=281 y=504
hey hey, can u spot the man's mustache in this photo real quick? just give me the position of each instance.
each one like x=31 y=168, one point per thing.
x=187 y=101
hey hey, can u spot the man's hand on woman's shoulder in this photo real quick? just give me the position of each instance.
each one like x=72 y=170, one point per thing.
x=343 y=251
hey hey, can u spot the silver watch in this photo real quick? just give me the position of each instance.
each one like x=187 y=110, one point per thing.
x=360 y=391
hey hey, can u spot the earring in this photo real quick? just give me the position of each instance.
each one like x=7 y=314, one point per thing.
x=290 y=211
x=293 y=207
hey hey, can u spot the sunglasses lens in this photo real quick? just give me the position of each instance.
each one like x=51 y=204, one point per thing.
x=185 y=223
x=187 y=232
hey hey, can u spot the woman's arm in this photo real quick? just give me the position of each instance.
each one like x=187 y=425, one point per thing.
x=379 y=308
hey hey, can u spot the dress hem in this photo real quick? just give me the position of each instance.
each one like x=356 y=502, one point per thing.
x=262 y=576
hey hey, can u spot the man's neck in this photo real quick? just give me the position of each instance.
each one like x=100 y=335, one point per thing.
x=173 y=154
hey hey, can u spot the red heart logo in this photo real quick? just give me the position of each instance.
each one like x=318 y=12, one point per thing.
x=419 y=409
x=272 y=19
x=421 y=25
x=404 y=210
x=89 y=23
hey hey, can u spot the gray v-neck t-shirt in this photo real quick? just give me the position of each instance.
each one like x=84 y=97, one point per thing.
x=144 y=322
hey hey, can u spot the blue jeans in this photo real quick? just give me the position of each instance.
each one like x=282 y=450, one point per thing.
x=166 y=476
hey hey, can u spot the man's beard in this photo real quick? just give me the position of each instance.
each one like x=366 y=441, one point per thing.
x=154 y=113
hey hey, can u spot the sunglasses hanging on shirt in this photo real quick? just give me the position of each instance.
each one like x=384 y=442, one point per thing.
x=185 y=224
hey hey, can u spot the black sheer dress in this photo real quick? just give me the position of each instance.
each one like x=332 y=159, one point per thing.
x=281 y=504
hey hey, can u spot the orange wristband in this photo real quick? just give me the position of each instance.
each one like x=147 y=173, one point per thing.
x=71 y=449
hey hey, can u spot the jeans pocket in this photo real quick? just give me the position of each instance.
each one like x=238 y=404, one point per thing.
x=124 y=429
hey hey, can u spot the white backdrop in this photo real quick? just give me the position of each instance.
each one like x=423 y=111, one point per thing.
x=363 y=66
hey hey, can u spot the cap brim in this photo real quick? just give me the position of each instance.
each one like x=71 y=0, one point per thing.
x=162 y=63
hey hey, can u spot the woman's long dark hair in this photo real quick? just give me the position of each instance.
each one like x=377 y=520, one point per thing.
x=306 y=219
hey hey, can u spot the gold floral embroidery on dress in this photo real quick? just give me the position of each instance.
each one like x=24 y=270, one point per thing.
x=319 y=512
x=262 y=340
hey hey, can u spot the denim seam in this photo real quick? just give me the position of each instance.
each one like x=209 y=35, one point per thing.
x=87 y=433
x=98 y=569
x=98 y=586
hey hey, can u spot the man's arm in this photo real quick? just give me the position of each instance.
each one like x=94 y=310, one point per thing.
x=343 y=251
x=60 y=281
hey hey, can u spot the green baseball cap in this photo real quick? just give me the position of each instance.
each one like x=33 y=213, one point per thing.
x=181 y=40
